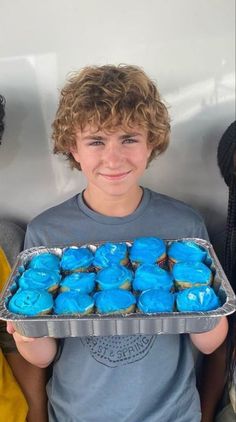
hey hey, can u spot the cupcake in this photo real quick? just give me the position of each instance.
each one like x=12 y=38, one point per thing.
x=45 y=261
x=110 y=253
x=81 y=282
x=76 y=259
x=185 y=251
x=191 y=274
x=73 y=303
x=31 y=302
x=156 y=300
x=148 y=250
x=39 y=279
x=149 y=276
x=114 y=277
x=114 y=301
x=197 y=299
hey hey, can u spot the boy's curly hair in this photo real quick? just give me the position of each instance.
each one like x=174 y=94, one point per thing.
x=107 y=97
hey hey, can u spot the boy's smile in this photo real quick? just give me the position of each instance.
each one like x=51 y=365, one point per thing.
x=117 y=176
x=112 y=162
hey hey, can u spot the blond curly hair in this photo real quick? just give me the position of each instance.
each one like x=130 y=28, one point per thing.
x=110 y=97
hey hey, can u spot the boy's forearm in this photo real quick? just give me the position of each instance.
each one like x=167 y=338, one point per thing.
x=38 y=351
x=209 y=341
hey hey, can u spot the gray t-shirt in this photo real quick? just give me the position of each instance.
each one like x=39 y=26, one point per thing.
x=140 y=378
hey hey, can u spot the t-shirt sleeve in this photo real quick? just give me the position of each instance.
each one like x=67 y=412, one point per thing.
x=201 y=230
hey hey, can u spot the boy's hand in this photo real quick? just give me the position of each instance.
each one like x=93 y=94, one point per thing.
x=18 y=337
x=207 y=342
x=39 y=351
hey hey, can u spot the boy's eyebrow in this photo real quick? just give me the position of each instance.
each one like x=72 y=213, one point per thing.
x=99 y=137
x=130 y=135
x=95 y=137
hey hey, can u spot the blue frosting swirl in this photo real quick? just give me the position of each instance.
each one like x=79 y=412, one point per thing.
x=186 y=251
x=114 y=277
x=30 y=302
x=147 y=250
x=150 y=276
x=73 y=302
x=110 y=253
x=45 y=261
x=74 y=258
x=81 y=282
x=156 y=300
x=114 y=300
x=197 y=299
x=39 y=279
x=192 y=272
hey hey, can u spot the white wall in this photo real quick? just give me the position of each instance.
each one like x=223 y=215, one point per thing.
x=187 y=46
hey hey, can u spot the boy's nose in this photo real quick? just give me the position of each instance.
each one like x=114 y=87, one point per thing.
x=112 y=155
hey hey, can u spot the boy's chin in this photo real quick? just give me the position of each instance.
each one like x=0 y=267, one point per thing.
x=121 y=192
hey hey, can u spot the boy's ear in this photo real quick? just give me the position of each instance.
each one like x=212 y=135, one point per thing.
x=74 y=152
x=73 y=149
x=150 y=148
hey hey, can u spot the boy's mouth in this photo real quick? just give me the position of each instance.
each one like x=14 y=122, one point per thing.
x=117 y=176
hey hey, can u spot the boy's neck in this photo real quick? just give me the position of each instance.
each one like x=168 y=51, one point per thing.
x=113 y=206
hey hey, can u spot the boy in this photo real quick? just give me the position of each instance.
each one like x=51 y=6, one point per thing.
x=110 y=124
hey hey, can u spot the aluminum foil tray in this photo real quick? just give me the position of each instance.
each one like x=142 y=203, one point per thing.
x=135 y=323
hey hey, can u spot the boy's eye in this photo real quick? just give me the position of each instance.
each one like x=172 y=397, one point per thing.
x=96 y=143
x=130 y=141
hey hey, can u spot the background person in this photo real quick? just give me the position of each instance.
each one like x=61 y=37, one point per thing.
x=22 y=386
x=218 y=386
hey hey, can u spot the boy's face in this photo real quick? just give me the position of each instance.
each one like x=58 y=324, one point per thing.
x=113 y=161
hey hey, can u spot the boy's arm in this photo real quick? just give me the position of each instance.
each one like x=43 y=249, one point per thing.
x=38 y=351
x=209 y=341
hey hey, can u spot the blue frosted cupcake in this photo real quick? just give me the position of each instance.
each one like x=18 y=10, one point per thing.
x=149 y=276
x=40 y=279
x=197 y=299
x=187 y=251
x=73 y=303
x=110 y=253
x=191 y=274
x=114 y=301
x=156 y=300
x=76 y=259
x=114 y=277
x=45 y=261
x=30 y=302
x=148 y=250
x=81 y=282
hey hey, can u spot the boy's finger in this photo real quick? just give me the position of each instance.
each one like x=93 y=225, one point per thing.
x=10 y=327
x=18 y=337
x=22 y=339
